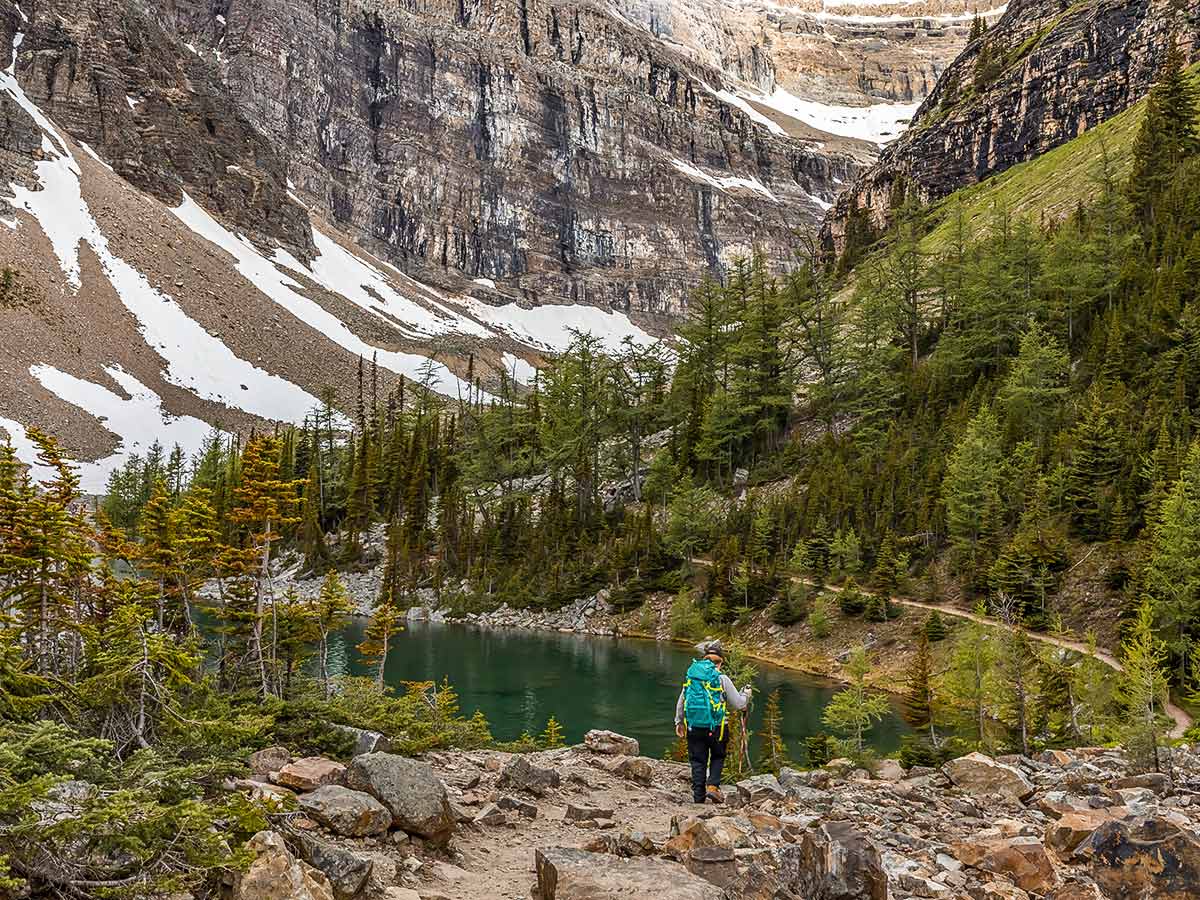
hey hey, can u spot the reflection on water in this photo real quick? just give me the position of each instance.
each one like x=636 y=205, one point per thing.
x=519 y=678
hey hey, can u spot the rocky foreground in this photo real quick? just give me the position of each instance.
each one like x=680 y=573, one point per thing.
x=597 y=821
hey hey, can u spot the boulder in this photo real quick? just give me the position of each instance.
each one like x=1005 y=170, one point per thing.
x=491 y=815
x=834 y=862
x=345 y=811
x=366 y=741
x=637 y=769
x=347 y=871
x=409 y=789
x=1149 y=858
x=581 y=813
x=760 y=788
x=1054 y=758
x=1154 y=781
x=981 y=776
x=310 y=773
x=275 y=874
x=889 y=770
x=714 y=864
x=718 y=831
x=522 y=775
x=523 y=807
x=1023 y=859
x=264 y=763
x=568 y=874
x=610 y=743
x=1072 y=828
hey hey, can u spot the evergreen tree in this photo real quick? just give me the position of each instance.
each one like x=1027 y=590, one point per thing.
x=918 y=696
x=329 y=612
x=853 y=709
x=772 y=755
x=1143 y=687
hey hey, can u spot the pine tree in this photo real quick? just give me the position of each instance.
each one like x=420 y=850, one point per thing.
x=972 y=487
x=969 y=679
x=329 y=612
x=1168 y=134
x=1143 y=687
x=853 y=709
x=772 y=754
x=935 y=628
x=552 y=736
x=265 y=504
x=918 y=695
x=820 y=617
x=385 y=623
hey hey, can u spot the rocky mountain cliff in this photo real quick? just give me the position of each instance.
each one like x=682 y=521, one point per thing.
x=1044 y=74
x=553 y=148
x=215 y=209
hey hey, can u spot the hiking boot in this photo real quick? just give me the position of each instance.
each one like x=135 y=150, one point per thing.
x=714 y=794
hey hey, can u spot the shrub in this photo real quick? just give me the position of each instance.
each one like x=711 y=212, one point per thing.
x=876 y=609
x=851 y=600
x=819 y=617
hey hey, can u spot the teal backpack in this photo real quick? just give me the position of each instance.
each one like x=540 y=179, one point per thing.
x=703 y=697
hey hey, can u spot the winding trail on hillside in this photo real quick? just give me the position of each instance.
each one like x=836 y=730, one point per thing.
x=1179 y=716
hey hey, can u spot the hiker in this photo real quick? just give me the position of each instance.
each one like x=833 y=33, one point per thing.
x=701 y=715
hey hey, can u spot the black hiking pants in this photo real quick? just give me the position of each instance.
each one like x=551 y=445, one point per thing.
x=706 y=752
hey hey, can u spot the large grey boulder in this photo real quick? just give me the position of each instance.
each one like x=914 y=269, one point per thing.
x=346 y=812
x=409 y=789
x=834 y=862
x=568 y=874
x=275 y=874
x=981 y=776
x=521 y=775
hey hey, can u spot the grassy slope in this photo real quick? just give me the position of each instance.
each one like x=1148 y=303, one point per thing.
x=1050 y=186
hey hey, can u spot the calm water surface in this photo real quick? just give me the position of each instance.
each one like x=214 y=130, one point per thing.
x=519 y=678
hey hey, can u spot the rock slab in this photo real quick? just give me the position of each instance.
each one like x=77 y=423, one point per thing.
x=310 y=773
x=981 y=776
x=835 y=862
x=610 y=743
x=568 y=874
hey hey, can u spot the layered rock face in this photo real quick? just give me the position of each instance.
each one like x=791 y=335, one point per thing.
x=551 y=147
x=835 y=52
x=112 y=76
x=1043 y=75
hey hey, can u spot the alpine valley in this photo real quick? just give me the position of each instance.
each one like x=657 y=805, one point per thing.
x=599 y=450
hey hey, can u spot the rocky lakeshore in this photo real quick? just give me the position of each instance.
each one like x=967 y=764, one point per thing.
x=598 y=821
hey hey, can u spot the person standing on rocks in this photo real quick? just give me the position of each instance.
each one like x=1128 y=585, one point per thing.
x=701 y=715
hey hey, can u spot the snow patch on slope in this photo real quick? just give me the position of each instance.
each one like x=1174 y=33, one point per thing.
x=553 y=328
x=878 y=123
x=697 y=174
x=519 y=370
x=195 y=359
x=268 y=278
x=138 y=420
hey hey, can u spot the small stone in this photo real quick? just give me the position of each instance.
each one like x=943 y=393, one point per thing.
x=491 y=815
x=310 y=773
x=580 y=813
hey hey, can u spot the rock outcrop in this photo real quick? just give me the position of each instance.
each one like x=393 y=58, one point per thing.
x=1045 y=73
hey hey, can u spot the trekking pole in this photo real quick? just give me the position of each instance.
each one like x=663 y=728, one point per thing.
x=745 y=736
